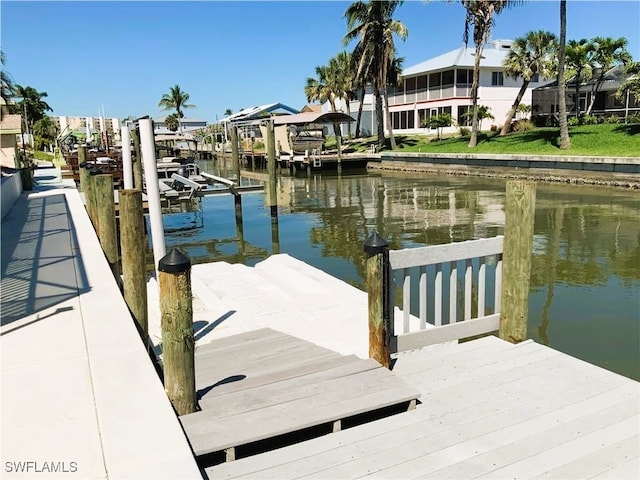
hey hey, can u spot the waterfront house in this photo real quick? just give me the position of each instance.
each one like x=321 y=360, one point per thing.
x=443 y=85
x=9 y=128
x=545 y=98
x=248 y=120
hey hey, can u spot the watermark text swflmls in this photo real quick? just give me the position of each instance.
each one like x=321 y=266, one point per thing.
x=40 y=466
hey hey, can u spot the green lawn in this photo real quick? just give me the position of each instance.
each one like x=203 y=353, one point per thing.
x=587 y=140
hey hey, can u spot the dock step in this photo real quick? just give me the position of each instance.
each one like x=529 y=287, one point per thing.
x=263 y=385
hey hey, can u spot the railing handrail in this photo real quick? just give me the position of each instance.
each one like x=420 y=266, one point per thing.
x=450 y=252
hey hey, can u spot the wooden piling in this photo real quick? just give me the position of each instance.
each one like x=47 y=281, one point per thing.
x=237 y=199
x=377 y=249
x=132 y=246
x=137 y=161
x=271 y=170
x=106 y=213
x=82 y=163
x=520 y=205
x=178 y=342
x=90 y=197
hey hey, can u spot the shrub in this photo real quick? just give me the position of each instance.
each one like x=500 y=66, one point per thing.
x=589 y=120
x=494 y=128
x=523 y=125
x=465 y=131
x=572 y=121
x=633 y=118
x=611 y=119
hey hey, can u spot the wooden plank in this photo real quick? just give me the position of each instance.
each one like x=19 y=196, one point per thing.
x=468 y=281
x=208 y=434
x=445 y=333
x=410 y=456
x=453 y=292
x=292 y=377
x=629 y=470
x=319 y=454
x=598 y=462
x=482 y=279
x=218 y=381
x=451 y=252
x=423 y=297
x=296 y=388
x=437 y=302
x=406 y=300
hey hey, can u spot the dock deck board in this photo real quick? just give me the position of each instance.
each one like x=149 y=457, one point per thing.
x=262 y=384
x=489 y=409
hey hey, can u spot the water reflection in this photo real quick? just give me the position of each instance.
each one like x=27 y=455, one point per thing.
x=585 y=262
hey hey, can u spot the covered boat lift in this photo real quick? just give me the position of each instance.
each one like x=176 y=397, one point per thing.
x=295 y=134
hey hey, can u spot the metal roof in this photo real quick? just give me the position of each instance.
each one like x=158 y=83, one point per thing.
x=313 y=117
x=492 y=56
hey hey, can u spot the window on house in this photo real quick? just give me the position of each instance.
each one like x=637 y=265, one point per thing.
x=462 y=76
x=421 y=82
x=434 y=80
x=447 y=77
x=410 y=84
x=497 y=79
x=535 y=78
x=463 y=119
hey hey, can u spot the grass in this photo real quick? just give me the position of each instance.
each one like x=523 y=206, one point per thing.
x=587 y=140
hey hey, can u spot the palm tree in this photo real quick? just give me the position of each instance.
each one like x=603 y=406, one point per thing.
x=608 y=52
x=31 y=105
x=479 y=18
x=342 y=66
x=579 y=61
x=565 y=141
x=324 y=88
x=631 y=86
x=172 y=122
x=372 y=24
x=6 y=83
x=530 y=55
x=176 y=100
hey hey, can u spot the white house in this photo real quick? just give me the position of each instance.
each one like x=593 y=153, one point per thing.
x=443 y=85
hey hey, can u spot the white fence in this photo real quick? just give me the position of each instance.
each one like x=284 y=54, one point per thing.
x=445 y=259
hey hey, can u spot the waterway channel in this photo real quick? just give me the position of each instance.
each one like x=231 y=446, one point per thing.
x=585 y=285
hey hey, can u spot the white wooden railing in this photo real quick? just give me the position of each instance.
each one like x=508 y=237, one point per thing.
x=412 y=333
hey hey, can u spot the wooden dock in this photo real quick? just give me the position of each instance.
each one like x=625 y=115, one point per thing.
x=489 y=409
x=262 y=385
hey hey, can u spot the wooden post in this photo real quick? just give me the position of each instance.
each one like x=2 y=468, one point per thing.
x=137 y=163
x=82 y=163
x=237 y=199
x=90 y=198
x=377 y=250
x=178 y=342
x=520 y=204
x=271 y=170
x=132 y=245
x=106 y=213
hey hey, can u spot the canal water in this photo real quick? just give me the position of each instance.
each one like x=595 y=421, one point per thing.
x=585 y=285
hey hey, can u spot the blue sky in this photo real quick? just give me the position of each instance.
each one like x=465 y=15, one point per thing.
x=123 y=56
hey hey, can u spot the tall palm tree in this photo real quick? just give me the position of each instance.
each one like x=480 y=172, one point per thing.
x=6 y=82
x=176 y=100
x=565 y=141
x=579 y=61
x=324 y=88
x=342 y=66
x=631 y=86
x=607 y=53
x=31 y=104
x=533 y=54
x=479 y=18
x=371 y=23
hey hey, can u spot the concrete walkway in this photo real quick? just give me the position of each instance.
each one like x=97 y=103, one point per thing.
x=80 y=397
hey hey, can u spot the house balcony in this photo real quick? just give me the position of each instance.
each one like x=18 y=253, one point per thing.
x=458 y=90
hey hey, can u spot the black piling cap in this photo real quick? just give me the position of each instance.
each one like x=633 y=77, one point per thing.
x=82 y=164
x=375 y=244
x=174 y=262
x=95 y=171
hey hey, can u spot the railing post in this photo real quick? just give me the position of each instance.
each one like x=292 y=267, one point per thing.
x=132 y=242
x=377 y=278
x=520 y=204
x=178 y=342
